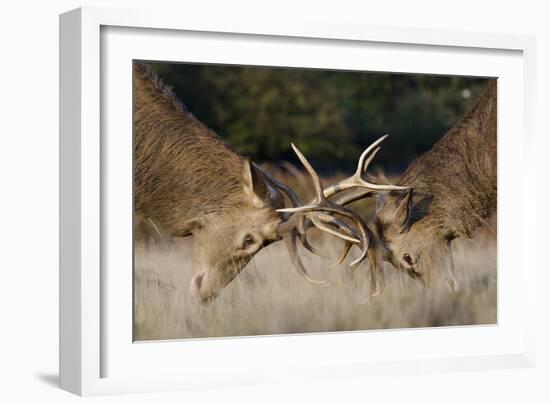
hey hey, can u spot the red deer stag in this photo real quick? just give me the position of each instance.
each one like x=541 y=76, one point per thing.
x=187 y=181
x=452 y=193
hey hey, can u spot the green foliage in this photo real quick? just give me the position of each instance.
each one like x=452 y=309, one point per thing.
x=330 y=115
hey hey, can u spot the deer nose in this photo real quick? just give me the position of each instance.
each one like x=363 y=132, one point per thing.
x=197 y=290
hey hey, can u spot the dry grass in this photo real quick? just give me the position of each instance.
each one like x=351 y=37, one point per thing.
x=269 y=297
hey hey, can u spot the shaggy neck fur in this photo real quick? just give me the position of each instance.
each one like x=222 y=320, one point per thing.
x=455 y=183
x=182 y=170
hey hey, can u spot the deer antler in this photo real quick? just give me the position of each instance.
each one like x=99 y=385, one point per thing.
x=294 y=228
x=358 y=179
x=321 y=204
x=320 y=212
x=325 y=207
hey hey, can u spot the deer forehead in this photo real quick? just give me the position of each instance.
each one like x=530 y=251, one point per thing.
x=263 y=217
x=250 y=219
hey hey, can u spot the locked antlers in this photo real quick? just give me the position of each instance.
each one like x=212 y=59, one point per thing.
x=294 y=226
x=322 y=204
x=321 y=211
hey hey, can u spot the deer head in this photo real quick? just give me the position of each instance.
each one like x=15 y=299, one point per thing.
x=411 y=238
x=227 y=240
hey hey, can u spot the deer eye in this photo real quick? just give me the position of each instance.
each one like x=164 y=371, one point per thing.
x=407 y=258
x=247 y=241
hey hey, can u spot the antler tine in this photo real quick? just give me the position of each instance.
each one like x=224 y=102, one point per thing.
x=357 y=262
x=302 y=227
x=362 y=166
x=290 y=242
x=315 y=178
x=328 y=206
x=377 y=277
x=306 y=244
x=350 y=197
x=347 y=248
x=357 y=179
x=333 y=221
x=324 y=227
x=368 y=161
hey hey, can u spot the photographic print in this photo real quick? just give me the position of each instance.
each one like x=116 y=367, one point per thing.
x=272 y=200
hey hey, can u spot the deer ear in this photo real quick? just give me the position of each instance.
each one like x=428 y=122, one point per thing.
x=403 y=213
x=253 y=185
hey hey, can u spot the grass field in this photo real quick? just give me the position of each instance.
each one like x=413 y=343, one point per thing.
x=269 y=297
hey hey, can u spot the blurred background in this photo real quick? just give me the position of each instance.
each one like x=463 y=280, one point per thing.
x=330 y=115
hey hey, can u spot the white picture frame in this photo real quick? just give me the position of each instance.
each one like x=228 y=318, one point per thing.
x=96 y=354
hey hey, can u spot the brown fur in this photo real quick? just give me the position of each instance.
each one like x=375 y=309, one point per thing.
x=454 y=192
x=188 y=181
x=182 y=169
x=460 y=171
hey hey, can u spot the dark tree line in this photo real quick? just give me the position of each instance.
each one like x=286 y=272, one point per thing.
x=330 y=115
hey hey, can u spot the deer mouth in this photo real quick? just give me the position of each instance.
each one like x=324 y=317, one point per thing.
x=205 y=298
x=207 y=285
